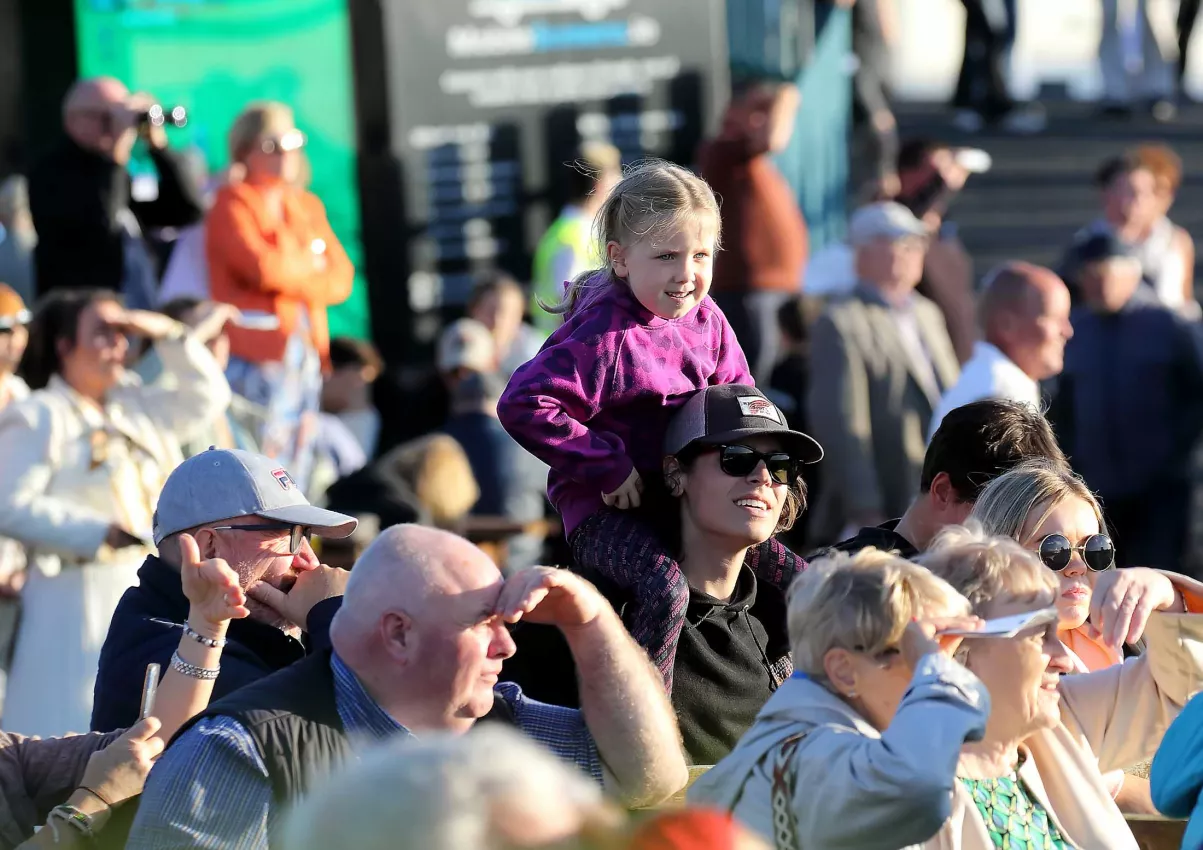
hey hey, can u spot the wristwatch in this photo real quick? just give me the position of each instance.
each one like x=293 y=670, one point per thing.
x=72 y=817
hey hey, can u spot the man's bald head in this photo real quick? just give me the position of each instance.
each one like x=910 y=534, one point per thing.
x=97 y=118
x=406 y=565
x=94 y=94
x=1017 y=288
x=1024 y=311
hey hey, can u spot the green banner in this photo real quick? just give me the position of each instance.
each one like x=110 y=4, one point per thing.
x=214 y=57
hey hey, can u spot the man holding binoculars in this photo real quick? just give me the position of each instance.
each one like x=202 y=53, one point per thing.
x=90 y=230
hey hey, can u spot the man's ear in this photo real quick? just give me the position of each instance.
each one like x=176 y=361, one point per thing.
x=943 y=494
x=207 y=542
x=397 y=631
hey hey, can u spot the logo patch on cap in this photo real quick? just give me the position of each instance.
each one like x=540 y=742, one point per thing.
x=754 y=405
x=281 y=475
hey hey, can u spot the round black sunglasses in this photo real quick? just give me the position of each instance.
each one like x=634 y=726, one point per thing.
x=1097 y=551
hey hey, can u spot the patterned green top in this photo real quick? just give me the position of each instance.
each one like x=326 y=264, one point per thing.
x=1014 y=819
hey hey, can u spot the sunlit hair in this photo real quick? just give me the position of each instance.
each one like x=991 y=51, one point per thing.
x=256 y=121
x=863 y=603
x=988 y=569
x=443 y=792
x=1165 y=165
x=1006 y=503
x=654 y=199
x=436 y=470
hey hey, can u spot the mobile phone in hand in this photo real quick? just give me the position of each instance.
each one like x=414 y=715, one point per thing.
x=150 y=687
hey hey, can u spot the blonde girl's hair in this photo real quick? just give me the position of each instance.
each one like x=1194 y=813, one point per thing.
x=654 y=198
x=256 y=121
x=862 y=603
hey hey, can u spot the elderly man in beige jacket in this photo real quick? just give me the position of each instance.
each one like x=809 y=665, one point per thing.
x=880 y=360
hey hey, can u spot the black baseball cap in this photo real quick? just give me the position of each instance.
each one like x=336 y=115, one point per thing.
x=720 y=414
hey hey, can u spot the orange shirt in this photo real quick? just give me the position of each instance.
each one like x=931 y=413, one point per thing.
x=1092 y=654
x=263 y=260
x=1095 y=655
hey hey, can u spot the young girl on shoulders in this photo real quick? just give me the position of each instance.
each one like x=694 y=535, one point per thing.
x=640 y=336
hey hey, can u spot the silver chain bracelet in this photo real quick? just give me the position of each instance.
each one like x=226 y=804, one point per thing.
x=179 y=665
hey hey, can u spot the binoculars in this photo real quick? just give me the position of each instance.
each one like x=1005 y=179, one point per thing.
x=158 y=116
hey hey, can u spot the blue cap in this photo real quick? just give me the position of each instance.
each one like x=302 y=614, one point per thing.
x=222 y=484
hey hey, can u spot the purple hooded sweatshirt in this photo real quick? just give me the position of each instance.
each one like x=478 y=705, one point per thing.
x=598 y=396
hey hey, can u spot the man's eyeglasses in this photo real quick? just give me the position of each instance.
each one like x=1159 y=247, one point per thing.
x=1097 y=551
x=296 y=533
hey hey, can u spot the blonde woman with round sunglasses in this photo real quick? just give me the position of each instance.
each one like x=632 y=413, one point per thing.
x=1052 y=512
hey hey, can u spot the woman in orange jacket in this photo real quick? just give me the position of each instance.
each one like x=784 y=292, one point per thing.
x=272 y=254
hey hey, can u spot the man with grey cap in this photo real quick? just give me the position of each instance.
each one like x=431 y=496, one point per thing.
x=881 y=358
x=244 y=508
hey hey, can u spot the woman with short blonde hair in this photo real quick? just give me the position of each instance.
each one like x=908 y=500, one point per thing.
x=255 y=123
x=1036 y=778
x=859 y=748
x=865 y=601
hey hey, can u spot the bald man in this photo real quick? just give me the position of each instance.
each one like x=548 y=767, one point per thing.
x=1023 y=312
x=417 y=648
x=90 y=231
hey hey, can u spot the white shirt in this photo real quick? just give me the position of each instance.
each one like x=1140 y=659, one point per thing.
x=988 y=374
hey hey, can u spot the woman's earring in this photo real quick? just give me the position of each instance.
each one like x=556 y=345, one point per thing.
x=851 y=694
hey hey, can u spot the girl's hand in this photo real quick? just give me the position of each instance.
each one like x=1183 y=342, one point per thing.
x=212 y=588
x=626 y=496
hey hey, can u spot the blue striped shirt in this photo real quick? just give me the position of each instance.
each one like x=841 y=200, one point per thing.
x=211 y=788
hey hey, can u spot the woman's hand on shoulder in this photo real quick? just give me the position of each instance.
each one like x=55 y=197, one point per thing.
x=118 y=772
x=1124 y=599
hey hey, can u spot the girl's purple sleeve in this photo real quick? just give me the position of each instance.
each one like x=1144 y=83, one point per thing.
x=732 y=367
x=550 y=399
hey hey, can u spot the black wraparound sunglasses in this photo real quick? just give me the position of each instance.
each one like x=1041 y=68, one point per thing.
x=740 y=461
x=297 y=533
x=1097 y=551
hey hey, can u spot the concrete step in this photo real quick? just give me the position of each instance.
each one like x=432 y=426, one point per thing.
x=1040 y=190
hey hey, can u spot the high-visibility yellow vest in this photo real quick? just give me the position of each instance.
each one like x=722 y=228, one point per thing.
x=570 y=232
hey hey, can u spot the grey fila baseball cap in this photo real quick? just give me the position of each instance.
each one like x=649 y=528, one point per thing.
x=221 y=484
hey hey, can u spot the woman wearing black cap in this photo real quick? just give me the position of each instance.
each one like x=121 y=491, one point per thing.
x=732 y=480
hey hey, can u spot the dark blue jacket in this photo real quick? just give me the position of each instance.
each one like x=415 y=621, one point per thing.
x=254 y=650
x=1128 y=406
